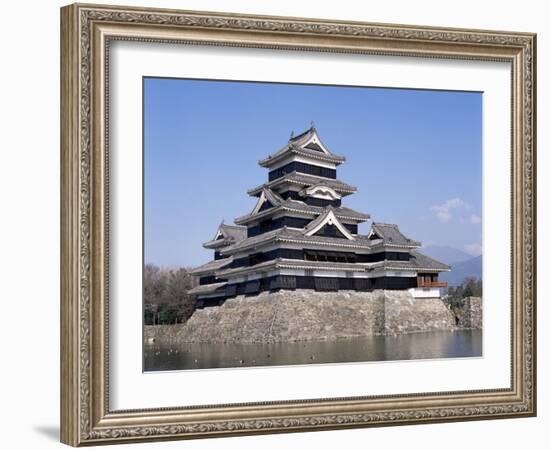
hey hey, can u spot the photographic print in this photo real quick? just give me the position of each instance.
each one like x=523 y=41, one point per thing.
x=294 y=224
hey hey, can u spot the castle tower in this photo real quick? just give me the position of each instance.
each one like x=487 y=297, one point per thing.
x=299 y=235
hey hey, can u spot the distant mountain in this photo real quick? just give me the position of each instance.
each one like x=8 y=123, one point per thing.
x=472 y=267
x=447 y=255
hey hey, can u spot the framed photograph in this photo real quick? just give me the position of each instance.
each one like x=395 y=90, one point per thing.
x=278 y=224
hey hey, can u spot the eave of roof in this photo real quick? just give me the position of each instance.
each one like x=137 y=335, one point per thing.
x=218 y=243
x=424 y=261
x=211 y=266
x=291 y=149
x=284 y=263
x=301 y=180
x=206 y=288
x=233 y=231
x=230 y=235
x=419 y=263
x=261 y=239
x=300 y=207
x=391 y=235
x=298 y=145
x=292 y=236
x=286 y=235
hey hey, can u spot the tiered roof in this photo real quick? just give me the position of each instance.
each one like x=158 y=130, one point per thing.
x=208 y=288
x=284 y=263
x=417 y=263
x=289 y=235
x=328 y=217
x=290 y=205
x=226 y=235
x=302 y=180
x=212 y=266
x=306 y=144
x=389 y=233
x=233 y=242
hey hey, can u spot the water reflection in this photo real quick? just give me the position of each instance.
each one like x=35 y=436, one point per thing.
x=437 y=344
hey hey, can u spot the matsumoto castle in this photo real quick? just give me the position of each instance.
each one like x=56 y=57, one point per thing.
x=300 y=236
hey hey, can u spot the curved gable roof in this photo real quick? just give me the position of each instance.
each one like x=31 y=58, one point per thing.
x=389 y=233
x=327 y=218
x=306 y=144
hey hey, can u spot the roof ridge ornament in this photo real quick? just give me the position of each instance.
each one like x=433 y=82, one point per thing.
x=322 y=189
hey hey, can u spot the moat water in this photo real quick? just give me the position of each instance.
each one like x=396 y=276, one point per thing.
x=429 y=345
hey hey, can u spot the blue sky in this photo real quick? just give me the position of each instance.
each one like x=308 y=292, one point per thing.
x=415 y=156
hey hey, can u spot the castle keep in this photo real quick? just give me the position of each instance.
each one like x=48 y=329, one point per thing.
x=301 y=236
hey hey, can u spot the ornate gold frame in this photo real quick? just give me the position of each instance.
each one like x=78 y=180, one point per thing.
x=86 y=31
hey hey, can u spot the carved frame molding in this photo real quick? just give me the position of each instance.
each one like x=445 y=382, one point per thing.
x=86 y=31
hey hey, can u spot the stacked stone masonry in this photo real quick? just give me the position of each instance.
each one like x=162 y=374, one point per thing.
x=302 y=315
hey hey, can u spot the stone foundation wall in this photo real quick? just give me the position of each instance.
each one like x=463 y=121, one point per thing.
x=303 y=315
x=405 y=314
x=471 y=315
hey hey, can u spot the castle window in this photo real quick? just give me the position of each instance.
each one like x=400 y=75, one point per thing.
x=319 y=255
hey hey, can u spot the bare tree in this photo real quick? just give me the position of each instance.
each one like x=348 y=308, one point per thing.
x=165 y=296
